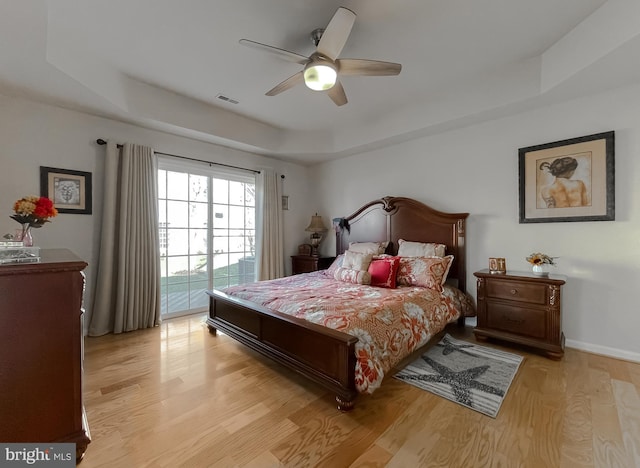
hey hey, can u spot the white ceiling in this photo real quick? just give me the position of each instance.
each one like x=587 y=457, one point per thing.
x=161 y=64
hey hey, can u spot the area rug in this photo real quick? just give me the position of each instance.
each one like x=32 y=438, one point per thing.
x=474 y=376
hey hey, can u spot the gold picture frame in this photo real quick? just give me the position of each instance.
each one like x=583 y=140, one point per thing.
x=497 y=265
x=568 y=180
x=70 y=191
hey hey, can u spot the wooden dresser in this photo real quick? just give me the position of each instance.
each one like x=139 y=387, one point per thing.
x=309 y=263
x=41 y=332
x=522 y=308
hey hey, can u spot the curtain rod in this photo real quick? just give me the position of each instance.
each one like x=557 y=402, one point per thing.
x=101 y=142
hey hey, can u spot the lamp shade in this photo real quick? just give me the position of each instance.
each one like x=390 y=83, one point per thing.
x=316 y=224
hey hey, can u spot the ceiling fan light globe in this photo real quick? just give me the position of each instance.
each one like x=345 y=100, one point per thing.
x=320 y=77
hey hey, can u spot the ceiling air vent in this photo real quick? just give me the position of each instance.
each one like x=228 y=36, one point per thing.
x=222 y=97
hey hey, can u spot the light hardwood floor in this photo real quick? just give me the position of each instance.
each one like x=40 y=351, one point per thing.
x=178 y=396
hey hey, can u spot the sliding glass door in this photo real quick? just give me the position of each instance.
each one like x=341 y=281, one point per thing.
x=207 y=234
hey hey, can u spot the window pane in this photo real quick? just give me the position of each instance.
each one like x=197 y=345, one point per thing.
x=220 y=264
x=177 y=268
x=162 y=212
x=198 y=213
x=220 y=216
x=236 y=193
x=197 y=241
x=236 y=244
x=220 y=244
x=220 y=191
x=198 y=267
x=251 y=242
x=250 y=218
x=177 y=185
x=250 y=195
x=177 y=214
x=177 y=242
x=198 y=187
x=236 y=217
x=234 y=258
x=162 y=184
x=198 y=297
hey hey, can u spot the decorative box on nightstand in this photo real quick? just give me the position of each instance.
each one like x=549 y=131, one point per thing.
x=522 y=308
x=15 y=252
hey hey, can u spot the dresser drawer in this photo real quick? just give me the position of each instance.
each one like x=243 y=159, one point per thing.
x=524 y=321
x=517 y=291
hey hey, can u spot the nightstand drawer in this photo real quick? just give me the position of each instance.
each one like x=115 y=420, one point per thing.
x=309 y=263
x=517 y=291
x=520 y=320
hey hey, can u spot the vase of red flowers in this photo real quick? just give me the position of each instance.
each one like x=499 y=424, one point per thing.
x=32 y=212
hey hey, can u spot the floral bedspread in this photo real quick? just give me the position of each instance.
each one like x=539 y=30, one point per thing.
x=389 y=323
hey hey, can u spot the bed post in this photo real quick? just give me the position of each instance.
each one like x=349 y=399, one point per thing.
x=345 y=404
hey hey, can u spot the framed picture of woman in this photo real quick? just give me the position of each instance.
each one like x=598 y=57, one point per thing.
x=568 y=180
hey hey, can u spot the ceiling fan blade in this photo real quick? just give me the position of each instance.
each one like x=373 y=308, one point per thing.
x=282 y=53
x=337 y=94
x=286 y=84
x=336 y=33
x=367 y=67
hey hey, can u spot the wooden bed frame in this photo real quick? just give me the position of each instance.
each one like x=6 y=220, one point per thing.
x=324 y=355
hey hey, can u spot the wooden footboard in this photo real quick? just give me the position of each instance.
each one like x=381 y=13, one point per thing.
x=324 y=355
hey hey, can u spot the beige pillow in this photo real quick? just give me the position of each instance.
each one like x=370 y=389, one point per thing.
x=374 y=248
x=349 y=275
x=356 y=260
x=420 y=249
x=426 y=272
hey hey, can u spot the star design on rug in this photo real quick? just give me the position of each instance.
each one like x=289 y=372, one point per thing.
x=449 y=347
x=460 y=381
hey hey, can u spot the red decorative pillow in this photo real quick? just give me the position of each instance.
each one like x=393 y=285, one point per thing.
x=383 y=272
x=426 y=272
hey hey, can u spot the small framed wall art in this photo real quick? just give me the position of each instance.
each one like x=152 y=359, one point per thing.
x=569 y=180
x=69 y=190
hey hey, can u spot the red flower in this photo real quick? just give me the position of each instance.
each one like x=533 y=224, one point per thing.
x=33 y=211
x=44 y=208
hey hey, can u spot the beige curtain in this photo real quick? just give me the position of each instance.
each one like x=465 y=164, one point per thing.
x=269 y=226
x=128 y=284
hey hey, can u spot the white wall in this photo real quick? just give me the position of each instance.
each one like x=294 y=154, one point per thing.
x=34 y=135
x=475 y=170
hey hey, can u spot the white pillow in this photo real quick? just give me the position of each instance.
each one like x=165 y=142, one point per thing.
x=374 y=248
x=420 y=249
x=356 y=260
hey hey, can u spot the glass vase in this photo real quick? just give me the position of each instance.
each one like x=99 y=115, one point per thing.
x=24 y=235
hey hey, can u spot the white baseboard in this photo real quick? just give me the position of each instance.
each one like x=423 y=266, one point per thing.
x=603 y=350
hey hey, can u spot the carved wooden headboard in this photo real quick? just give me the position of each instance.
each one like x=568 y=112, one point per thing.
x=393 y=218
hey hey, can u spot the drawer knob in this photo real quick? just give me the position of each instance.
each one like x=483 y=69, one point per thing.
x=514 y=291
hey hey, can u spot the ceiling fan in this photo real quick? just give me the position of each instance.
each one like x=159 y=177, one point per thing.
x=321 y=68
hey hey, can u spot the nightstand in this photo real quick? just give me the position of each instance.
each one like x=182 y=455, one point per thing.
x=522 y=308
x=309 y=263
